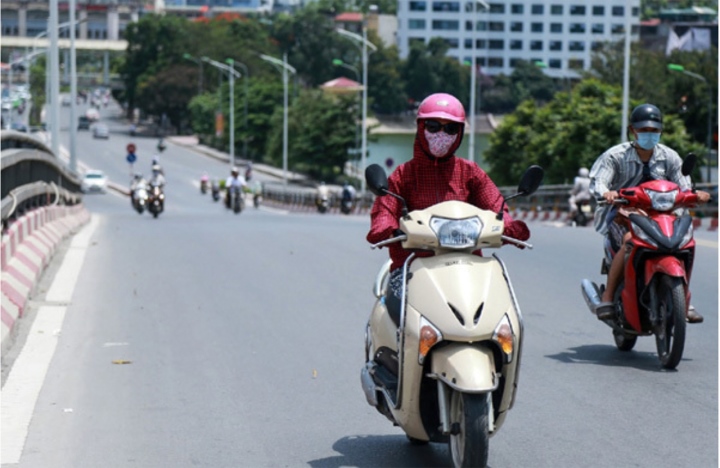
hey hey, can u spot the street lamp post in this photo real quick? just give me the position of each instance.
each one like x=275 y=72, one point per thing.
x=681 y=69
x=244 y=67
x=473 y=81
x=364 y=44
x=340 y=63
x=285 y=68
x=231 y=73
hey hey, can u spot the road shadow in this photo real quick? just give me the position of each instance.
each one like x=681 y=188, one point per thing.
x=607 y=355
x=384 y=451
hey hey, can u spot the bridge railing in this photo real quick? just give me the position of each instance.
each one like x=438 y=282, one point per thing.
x=31 y=177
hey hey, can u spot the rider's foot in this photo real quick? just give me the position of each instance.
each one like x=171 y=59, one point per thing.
x=605 y=310
x=692 y=315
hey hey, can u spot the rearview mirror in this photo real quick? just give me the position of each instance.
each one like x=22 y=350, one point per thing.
x=689 y=164
x=531 y=180
x=376 y=179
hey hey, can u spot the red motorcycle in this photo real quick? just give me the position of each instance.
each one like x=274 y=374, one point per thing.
x=655 y=293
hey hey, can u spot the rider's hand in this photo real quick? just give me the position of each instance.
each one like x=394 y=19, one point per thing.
x=610 y=196
x=703 y=197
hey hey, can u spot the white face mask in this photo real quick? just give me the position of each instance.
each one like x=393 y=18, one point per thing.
x=439 y=143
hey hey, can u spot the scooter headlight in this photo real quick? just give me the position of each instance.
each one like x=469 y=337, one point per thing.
x=503 y=336
x=429 y=337
x=662 y=201
x=643 y=235
x=456 y=233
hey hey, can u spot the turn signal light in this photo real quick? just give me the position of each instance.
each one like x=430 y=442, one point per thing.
x=503 y=335
x=429 y=336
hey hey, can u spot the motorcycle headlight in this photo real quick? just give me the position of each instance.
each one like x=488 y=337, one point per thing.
x=456 y=233
x=662 y=201
x=503 y=336
x=429 y=337
x=642 y=234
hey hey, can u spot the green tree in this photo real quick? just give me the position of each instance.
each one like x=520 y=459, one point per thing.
x=429 y=70
x=527 y=81
x=168 y=92
x=321 y=129
x=568 y=133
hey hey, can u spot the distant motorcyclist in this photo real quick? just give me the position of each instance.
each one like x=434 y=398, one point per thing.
x=235 y=181
x=157 y=178
x=138 y=182
x=323 y=193
x=161 y=145
x=580 y=191
x=248 y=172
x=348 y=192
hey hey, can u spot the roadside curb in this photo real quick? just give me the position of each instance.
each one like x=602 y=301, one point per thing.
x=28 y=245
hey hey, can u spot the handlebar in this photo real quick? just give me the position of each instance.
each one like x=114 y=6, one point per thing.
x=516 y=241
x=392 y=240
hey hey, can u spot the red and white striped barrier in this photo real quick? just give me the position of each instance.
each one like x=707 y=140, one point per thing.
x=27 y=247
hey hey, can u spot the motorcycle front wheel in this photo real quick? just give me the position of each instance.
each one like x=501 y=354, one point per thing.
x=669 y=304
x=470 y=435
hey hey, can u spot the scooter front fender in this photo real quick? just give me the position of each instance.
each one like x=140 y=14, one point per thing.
x=465 y=368
x=668 y=265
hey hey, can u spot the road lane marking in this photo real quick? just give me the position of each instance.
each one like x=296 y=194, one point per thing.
x=706 y=243
x=19 y=395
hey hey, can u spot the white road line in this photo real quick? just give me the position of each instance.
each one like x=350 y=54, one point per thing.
x=25 y=380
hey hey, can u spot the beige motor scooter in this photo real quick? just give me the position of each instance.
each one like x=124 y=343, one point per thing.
x=446 y=369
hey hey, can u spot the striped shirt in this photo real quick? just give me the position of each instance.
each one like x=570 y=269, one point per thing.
x=621 y=167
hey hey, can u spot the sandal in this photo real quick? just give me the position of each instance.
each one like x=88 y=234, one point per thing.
x=605 y=310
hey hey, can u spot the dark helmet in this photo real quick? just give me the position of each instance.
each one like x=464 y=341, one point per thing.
x=646 y=115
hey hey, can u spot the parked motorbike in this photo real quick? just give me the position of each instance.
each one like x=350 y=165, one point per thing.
x=215 y=190
x=445 y=368
x=156 y=201
x=204 y=184
x=234 y=199
x=584 y=213
x=655 y=293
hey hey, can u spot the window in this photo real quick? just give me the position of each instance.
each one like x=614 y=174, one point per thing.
x=517 y=8
x=618 y=11
x=496 y=26
x=556 y=27
x=598 y=28
x=468 y=26
x=537 y=9
x=496 y=44
x=416 y=24
x=577 y=10
x=577 y=28
x=481 y=26
x=576 y=46
x=596 y=45
x=445 y=25
x=555 y=63
x=497 y=8
x=618 y=29
x=415 y=40
x=446 y=6
x=495 y=62
x=418 y=5
x=556 y=10
x=555 y=45
x=453 y=43
x=480 y=61
x=516 y=27
x=514 y=62
x=468 y=43
x=536 y=27
x=480 y=44
x=516 y=45
x=536 y=45
x=575 y=64
x=598 y=10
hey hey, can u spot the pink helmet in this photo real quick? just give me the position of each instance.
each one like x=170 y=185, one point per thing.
x=441 y=106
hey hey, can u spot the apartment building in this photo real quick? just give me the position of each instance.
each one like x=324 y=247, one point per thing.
x=558 y=34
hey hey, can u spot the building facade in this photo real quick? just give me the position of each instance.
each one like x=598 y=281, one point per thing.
x=561 y=34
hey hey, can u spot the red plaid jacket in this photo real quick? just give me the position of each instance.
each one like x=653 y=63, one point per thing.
x=425 y=181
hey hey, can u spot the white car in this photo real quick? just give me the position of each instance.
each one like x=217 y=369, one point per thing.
x=94 y=181
x=92 y=114
x=100 y=131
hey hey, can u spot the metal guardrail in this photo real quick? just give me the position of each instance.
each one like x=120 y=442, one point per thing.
x=31 y=177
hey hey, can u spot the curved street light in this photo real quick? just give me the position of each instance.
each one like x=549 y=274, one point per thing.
x=363 y=44
x=285 y=69
x=245 y=70
x=473 y=82
x=232 y=73
x=681 y=69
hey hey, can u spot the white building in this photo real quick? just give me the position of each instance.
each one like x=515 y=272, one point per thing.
x=559 y=33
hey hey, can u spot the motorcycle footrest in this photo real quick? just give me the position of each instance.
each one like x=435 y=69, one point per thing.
x=385 y=379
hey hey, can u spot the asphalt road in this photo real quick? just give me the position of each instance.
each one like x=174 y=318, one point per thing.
x=244 y=336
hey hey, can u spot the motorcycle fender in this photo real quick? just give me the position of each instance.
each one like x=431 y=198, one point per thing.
x=668 y=265
x=465 y=368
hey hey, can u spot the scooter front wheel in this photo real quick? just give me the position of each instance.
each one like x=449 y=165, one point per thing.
x=470 y=434
x=669 y=302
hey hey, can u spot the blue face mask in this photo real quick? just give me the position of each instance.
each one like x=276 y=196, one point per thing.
x=648 y=140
